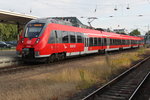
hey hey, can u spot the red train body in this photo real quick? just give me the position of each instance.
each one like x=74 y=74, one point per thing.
x=49 y=39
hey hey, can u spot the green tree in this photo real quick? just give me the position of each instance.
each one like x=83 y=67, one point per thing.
x=135 y=32
x=8 y=32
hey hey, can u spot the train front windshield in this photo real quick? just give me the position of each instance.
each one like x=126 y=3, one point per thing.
x=33 y=30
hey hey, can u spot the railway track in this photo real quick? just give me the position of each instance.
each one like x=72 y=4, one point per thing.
x=22 y=67
x=125 y=86
x=30 y=66
x=143 y=92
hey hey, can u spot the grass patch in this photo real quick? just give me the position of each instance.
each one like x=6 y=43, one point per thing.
x=54 y=85
x=7 y=49
x=95 y=72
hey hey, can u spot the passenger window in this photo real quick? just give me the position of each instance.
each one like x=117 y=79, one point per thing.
x=52 y=37
x=65 y=37
x=95 y=41
x=59 y=36
x=79 y=38
x=110 y=42
x=99 y=42
x=105 y=42
x=91 y=41
x=72 y=37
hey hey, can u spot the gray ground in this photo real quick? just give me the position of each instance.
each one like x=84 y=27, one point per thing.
x=6 y=53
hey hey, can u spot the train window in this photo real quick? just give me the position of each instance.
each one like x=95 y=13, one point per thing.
x=58 y=37
x=52 y=37
x=33 y=30
x=105 y=42
x=119 y=42
x=123 y=42
x=79 y=38
x=110 y=42
x=90 y=41
x=65 y=37
x=72 y=37
x=114 y=41
x=127 y=42
x=95 y=41
x=99 y=41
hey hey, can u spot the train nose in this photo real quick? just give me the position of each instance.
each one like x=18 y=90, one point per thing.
x=30 y=43
x=28 y=52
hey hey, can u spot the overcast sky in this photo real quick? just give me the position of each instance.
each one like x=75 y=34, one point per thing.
x=102 y=9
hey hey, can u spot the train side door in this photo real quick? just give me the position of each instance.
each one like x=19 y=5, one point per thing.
x=105 y=43
x=86 y=44
x=53 y=41
x=56 y=41
x=108 y=42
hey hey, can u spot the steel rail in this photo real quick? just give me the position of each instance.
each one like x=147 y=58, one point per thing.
x=113 y=81
x=134 y=93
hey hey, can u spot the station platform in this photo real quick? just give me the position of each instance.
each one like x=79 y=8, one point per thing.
x=7 y=53
x=8 y=58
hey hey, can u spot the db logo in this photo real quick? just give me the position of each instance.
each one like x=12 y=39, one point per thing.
x=28 y=42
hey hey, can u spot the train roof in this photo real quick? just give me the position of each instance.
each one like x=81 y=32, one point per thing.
x=50 y=20
x=89 y=32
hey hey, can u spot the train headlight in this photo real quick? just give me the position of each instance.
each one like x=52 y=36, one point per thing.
x=37 y=41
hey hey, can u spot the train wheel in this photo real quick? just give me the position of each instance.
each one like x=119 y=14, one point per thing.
x=51 y=59
x=62 y=56
x=101 y=51
x=120 y=49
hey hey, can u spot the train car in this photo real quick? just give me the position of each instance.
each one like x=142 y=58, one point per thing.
x=48 y=38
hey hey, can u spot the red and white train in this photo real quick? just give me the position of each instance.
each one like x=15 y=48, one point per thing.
x=46 y=38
